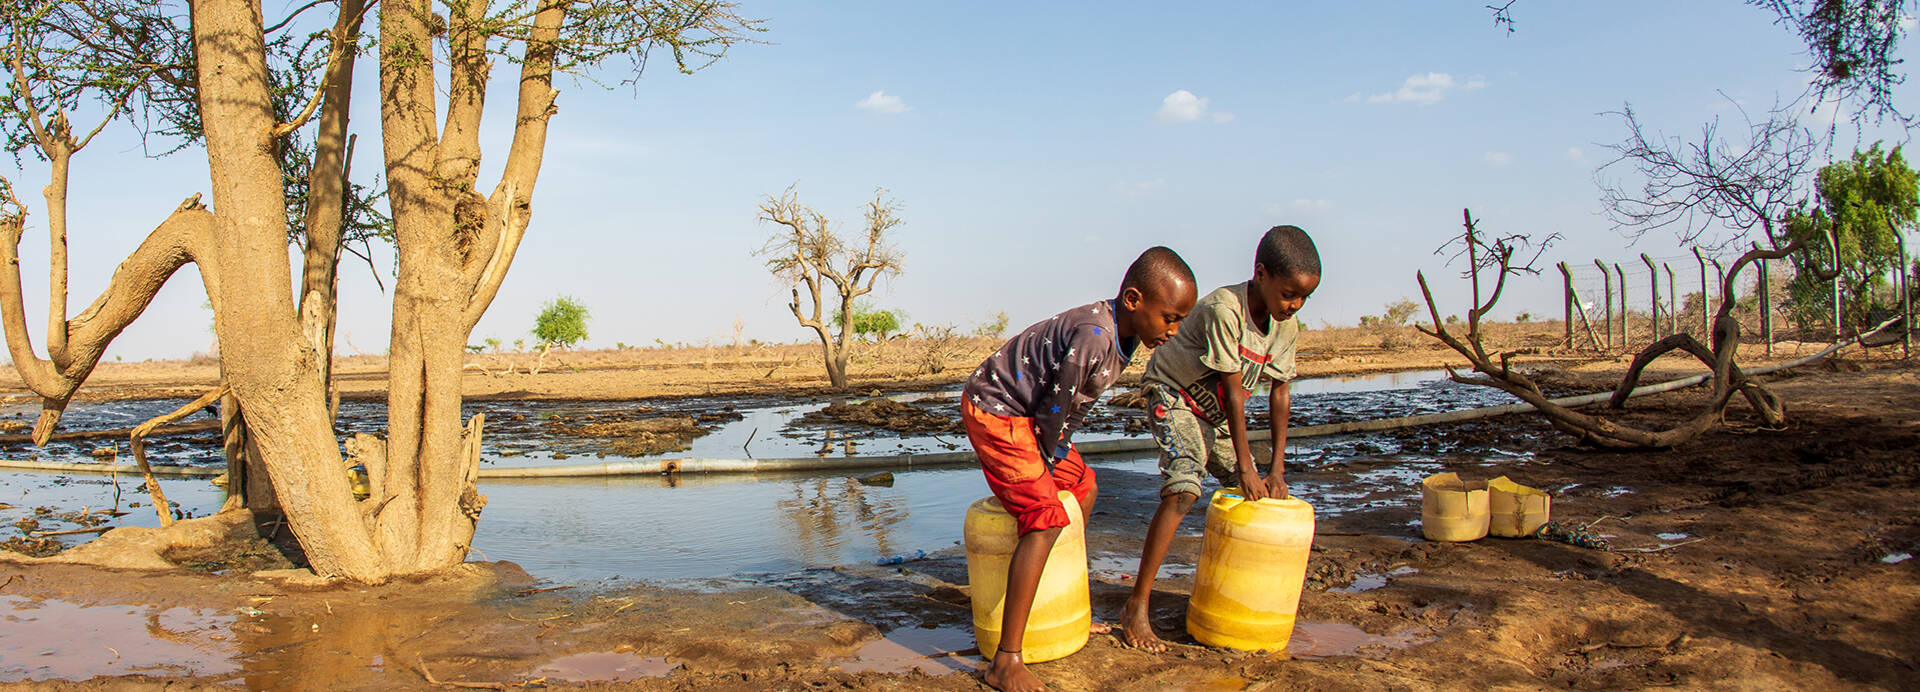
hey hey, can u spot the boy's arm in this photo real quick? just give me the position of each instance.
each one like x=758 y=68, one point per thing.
x=1279 y=415
x=1050 y=423
x=1236 y=411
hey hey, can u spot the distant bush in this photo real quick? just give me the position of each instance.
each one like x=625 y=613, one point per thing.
x=872 y=322
x=935 y=345
x=562 y=322
x=994 y=327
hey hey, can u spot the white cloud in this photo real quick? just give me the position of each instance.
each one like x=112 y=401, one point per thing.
x=1575 y=155
x=880 y=102
x=1140 y=189
x=1499 y=158
x=1184 y=107
x=1425 y=89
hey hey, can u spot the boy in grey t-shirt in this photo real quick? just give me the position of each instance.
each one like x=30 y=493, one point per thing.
x=1197 y=388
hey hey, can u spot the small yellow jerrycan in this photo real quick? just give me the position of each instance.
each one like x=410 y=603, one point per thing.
x=1452 y=509
x=1062 y=617
x=1516 y=510
x=1252 y=563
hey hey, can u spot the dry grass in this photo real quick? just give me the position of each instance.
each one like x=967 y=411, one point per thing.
x=900 y=363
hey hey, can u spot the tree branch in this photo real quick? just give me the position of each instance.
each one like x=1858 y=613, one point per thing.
x=459 y=163
x=177 y=241
x=341 y=38
x=512 y=200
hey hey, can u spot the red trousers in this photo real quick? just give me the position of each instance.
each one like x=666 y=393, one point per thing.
x=1017 y=471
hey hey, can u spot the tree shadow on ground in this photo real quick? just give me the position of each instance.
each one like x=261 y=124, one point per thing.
x=1727 y=616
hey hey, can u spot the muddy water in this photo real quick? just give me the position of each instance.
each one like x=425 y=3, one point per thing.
x=930 y=650
x=658 y=527
x=1317 y=640
x=692 y=527
x=54 y=639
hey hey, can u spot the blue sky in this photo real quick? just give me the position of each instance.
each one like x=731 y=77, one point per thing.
x=1035 y=150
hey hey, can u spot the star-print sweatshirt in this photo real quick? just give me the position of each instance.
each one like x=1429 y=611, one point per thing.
x=1052 y=372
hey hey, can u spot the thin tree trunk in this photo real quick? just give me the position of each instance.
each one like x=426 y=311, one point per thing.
x=327 y=194
x=56 y=195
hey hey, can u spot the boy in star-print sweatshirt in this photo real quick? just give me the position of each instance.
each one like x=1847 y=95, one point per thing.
x=1021 y=408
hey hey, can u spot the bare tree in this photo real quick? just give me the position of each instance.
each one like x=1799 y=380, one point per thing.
x=807 y=253
x=1852 y=44
x=1498 y=257
x=454 y=244
x=1712 y=191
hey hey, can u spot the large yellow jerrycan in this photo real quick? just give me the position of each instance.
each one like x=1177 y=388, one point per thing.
x=1252 y=562
x=1062 y=617
x=1452 y=509
x=1516 y=510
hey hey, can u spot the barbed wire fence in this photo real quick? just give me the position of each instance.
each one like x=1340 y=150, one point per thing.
x=1619 y=305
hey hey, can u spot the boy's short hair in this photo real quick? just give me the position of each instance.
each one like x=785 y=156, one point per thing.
x=1287 y=251
x=1154 y=266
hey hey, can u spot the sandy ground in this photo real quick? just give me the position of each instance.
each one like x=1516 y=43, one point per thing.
x=1786 y=578
x=786 y=369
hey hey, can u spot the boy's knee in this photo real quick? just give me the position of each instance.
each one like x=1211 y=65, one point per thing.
x=1180 y=500
x=1180 y=486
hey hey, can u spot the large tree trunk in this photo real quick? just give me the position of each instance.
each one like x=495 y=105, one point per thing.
x=836 y=365
x=454 y=247
x=272 y=367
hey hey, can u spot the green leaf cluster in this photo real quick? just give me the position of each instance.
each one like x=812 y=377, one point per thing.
x=1867 y=202
x=871 y=321
x=562 y=322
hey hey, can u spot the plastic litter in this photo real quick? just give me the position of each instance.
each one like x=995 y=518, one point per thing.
x=903 y=557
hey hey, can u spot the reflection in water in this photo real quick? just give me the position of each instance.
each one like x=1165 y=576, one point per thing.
x=822 y=509
x=710 y=526
x=930 y=650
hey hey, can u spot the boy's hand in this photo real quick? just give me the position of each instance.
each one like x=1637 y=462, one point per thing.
x=1276 y=486
x=1251 y=487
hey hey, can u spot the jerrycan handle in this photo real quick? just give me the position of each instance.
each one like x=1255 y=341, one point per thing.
x=1236 y=505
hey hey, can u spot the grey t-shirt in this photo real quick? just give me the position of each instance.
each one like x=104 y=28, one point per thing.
x=1218 y=337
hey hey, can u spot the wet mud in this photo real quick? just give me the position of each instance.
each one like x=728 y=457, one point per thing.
x=886 y=414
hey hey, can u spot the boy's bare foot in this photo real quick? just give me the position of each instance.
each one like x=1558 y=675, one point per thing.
x=1139 y=631
x=1008 y=673
x=1101 y=628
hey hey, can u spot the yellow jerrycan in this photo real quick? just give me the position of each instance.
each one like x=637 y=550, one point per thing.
x=1252 y=563
x=1452 y=509
x=1516 y=510
x=1062 y=616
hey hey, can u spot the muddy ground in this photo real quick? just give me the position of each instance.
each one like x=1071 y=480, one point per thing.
x=1751 y=558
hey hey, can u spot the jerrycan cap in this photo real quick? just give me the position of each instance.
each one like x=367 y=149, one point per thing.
x=1231 y=498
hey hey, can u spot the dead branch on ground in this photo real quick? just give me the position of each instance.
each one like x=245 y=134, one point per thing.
x=137 y=440
x=1497 y=256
